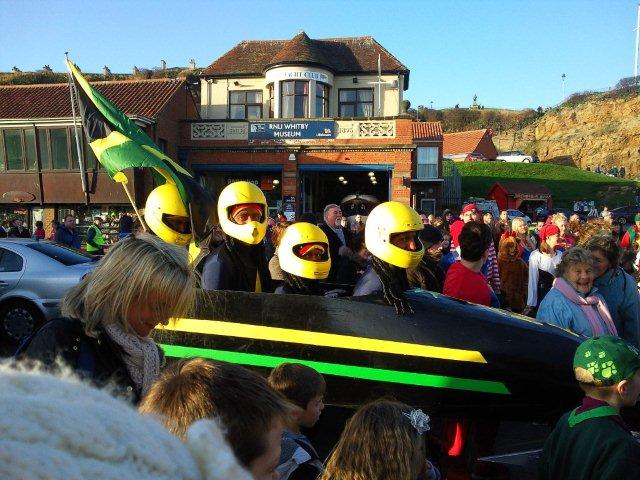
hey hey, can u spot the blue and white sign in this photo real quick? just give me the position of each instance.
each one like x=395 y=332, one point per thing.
x=291 y=130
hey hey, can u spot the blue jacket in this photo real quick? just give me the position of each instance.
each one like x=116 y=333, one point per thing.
x=620 y=292
x=68 y=237
x=557 y=310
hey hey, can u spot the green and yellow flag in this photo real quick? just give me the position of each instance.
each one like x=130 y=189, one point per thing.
x=119 y=143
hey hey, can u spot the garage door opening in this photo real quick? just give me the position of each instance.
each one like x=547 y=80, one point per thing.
x=319 y=189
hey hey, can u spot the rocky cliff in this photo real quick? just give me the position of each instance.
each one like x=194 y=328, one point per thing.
x=589 y=130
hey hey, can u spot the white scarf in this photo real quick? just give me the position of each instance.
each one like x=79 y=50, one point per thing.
x=142 y=358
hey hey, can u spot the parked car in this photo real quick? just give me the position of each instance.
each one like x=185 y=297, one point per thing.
x=624 y=215
x=474 y=157
x=512 y=213
x=517 y=156
x=34 y=277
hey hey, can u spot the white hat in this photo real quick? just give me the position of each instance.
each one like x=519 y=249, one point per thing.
x=60 y=428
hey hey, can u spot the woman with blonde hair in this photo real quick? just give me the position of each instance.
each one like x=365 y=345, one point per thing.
x=384 y=440
x=140 y=283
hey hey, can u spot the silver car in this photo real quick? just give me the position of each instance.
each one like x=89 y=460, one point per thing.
x=34 y=277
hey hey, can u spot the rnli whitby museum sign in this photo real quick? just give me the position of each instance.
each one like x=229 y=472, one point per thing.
x=291 y=130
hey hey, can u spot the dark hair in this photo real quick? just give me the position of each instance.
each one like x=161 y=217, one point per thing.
x=39 y=224
x=125 y=224
x=474 y=240
x=356 y=243
x=297 y=383
x=608 y=246
x=192 y=389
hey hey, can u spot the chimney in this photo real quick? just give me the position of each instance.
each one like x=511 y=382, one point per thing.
x=16 y=70
x=105 y=71
x=47 y=69
x=192 y=64
x=163 y=65
x=135 y=70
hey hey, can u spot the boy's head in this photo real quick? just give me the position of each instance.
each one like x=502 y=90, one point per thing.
x=250 y=412
x=302 y=386
x=474 y=241
x=608 y=366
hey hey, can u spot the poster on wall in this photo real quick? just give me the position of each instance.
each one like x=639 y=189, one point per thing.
x=291 y=130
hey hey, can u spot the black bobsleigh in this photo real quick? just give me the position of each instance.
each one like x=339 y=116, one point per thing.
x=450 y=357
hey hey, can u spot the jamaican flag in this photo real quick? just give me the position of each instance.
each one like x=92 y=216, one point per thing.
x=119 y=143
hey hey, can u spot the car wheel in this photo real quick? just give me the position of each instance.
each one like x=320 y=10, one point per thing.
x=526 y=160
x=19 y=319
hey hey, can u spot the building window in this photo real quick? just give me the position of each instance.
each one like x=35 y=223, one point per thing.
x=43 y=148
x=30 y=147
x=2 y=166
x=13 y=147
x=245 y=104
x=295 y=99
x=270 y=89
x=59 y=148
x=356 y=102
x=322 y=100
x=427 y=164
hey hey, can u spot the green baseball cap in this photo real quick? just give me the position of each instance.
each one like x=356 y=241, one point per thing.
x=606 y=360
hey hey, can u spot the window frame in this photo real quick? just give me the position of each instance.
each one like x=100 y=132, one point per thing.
x=426 y=164
x=246 y=104
x=294 y=95
x=356 y=102
x=270 y=92
x=324 y=98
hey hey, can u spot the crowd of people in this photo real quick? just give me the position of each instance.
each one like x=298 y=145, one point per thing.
x=561 y=271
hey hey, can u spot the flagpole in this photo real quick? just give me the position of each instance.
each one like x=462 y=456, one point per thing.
x=122 y=179
x=83 y=173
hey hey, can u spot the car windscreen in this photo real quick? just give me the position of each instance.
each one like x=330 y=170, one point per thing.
x=64 y=255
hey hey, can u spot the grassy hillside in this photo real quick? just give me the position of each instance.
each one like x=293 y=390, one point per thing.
x=566 y=183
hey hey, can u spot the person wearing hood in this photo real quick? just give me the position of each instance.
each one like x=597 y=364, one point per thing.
x=514 y=275
x=391 y=235
x=304 y=259
x=573 y=303
x=428 y=275
x=239 y=263
x=616 y=286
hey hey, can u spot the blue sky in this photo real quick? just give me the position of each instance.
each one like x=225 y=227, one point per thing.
x=510 y=53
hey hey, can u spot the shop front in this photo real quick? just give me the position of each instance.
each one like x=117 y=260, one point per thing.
x=323 y=184
x=268 y=177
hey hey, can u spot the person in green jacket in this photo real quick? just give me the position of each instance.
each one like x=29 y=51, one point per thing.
x=95 y=240
x=593 y=441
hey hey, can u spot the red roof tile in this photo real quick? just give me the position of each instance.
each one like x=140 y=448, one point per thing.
x=144 y=98
x=342 y=55
x=301 y=49
x=462 y=142
x=427 y=131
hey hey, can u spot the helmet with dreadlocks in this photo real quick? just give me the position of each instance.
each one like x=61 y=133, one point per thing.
x=391 y=235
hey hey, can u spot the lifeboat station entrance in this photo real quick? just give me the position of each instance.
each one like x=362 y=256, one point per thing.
x=321 y=185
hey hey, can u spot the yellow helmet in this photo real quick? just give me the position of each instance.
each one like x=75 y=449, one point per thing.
x=385 y=220
x=296 y=241
x=167 y=216
x=238 y=193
